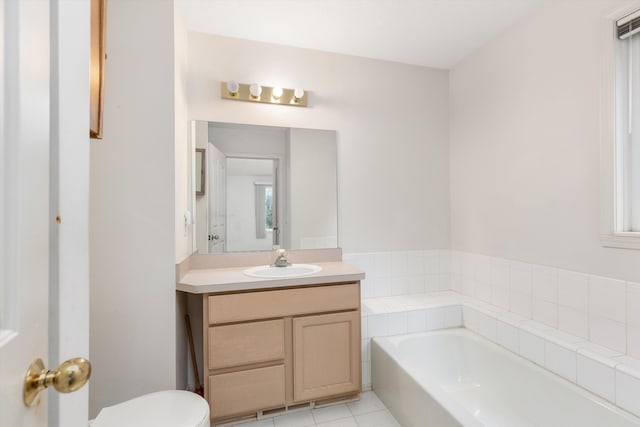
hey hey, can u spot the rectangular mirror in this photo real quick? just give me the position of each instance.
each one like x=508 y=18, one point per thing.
x=266 y=186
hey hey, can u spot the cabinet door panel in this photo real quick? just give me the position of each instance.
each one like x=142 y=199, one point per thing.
x=326 y=355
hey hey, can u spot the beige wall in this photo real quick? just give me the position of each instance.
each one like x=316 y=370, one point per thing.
x=525 y=140
x=183 y=173
x=392 y=128
x=132 y=205
x=183 y=149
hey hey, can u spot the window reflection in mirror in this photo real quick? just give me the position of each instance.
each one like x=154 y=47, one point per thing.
x=267 y=186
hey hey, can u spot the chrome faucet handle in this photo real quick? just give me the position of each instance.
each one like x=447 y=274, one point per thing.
x=281 y=260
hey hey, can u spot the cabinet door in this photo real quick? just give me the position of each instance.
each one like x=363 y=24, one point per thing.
x=326 y=355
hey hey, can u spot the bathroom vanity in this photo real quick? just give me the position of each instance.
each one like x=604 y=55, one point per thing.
x=273 y=344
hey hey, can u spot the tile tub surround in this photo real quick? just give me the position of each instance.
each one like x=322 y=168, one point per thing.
x=597 y=309
x=600 y=370
x=402 y=272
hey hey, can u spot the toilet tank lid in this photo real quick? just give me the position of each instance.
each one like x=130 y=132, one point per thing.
x=171 y=408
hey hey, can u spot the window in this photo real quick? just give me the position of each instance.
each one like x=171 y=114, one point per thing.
x=621 y=132
x=627 y=124
x=264 y=209
x=268 y=205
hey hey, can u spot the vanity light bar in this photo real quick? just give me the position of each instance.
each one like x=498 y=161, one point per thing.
x=265 y=94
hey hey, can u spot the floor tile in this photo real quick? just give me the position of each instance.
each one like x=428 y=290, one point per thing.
x=344 y=422
x=330 y=413
x=298 y=419
x=368 y=402
x=377 y=419
x=260 y=423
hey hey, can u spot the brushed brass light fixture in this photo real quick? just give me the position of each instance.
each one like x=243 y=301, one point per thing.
x=233 y=87
x=265 y=94
x=255 y=90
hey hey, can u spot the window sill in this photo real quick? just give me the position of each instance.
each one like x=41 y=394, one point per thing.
x=621 y=240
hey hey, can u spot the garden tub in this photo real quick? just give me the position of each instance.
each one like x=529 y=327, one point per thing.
x=454 y=377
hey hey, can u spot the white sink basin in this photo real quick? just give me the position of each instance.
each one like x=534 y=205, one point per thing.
x=271 y=272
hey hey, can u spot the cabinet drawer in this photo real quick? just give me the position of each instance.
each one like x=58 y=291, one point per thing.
x=280 y=303
x=247 y=391
x=241 y=344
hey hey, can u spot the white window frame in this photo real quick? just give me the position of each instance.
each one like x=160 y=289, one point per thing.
x=609 y=235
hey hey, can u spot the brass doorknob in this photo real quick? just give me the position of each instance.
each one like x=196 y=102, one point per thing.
x=70 y=376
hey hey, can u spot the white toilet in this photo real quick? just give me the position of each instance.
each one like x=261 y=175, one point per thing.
x=172 y=408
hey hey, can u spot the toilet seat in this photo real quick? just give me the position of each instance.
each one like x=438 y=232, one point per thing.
x=172 y=408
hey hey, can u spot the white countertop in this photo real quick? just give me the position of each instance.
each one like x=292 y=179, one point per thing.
x=209 y=280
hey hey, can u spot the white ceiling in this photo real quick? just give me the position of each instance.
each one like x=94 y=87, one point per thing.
x=433 y=33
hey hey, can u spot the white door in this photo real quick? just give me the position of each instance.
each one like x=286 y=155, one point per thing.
x=69 y=186
x=217 y=200
x=43 y=262
x=24 y=203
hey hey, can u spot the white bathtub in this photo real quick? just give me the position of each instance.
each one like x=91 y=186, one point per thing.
x=455 y=377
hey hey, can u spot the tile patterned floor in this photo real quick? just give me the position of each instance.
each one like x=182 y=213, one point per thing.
x=369 y=411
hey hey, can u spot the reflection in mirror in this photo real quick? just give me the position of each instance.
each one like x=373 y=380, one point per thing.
x=200 y=172
x=266 y=187
x=250 y=202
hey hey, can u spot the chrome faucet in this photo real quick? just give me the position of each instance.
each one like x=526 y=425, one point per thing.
x=281 y=260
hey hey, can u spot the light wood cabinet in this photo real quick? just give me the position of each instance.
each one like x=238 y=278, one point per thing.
x=326 y=355
x=246 y=343
x=249 y=390
x=271 y=349
x=240 y=307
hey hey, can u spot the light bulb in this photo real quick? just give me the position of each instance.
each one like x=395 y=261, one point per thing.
x=298 y=93
x=233 y=87
x=255 y=90
x=276 y=92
